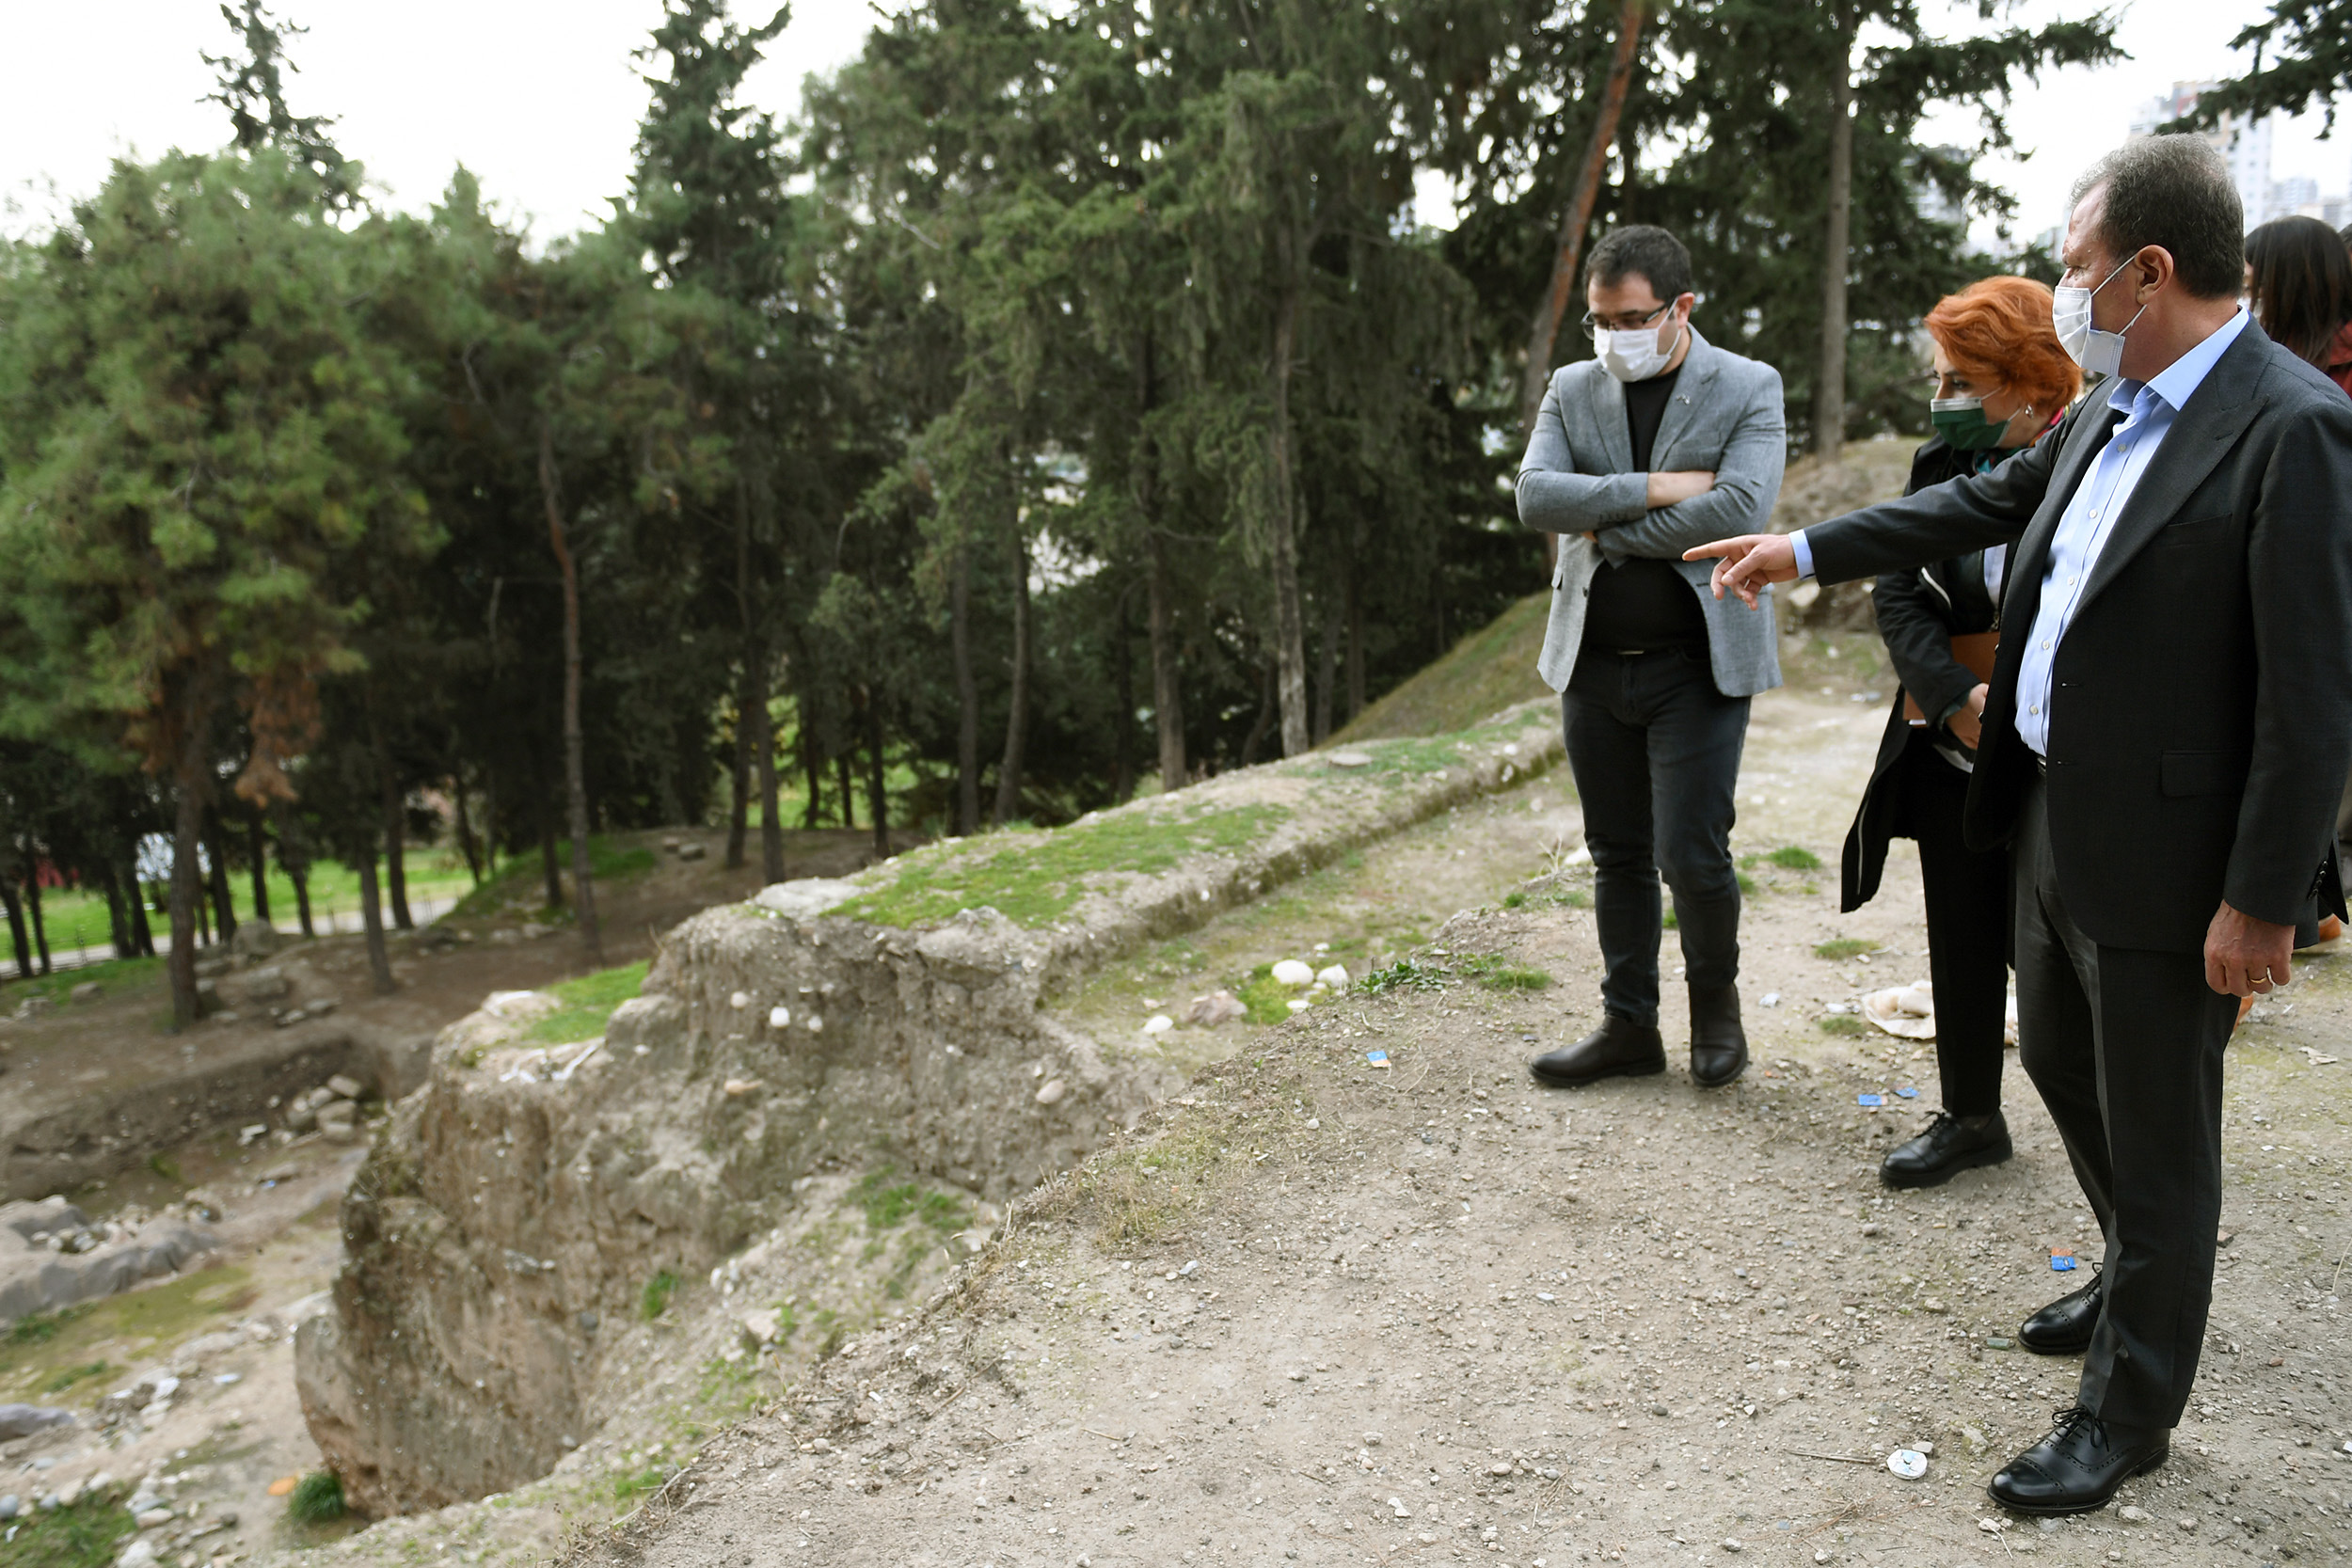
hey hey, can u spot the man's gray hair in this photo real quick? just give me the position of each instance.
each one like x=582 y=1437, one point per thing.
x=2171 y=191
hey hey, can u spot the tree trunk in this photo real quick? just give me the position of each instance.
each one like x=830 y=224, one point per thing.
x=187 y=830
x=1265 y=721
x=739 y=779
x=16 y=935
x=1352 y=592
x=877 y=797
x=224 y=905
x=1326 y=674
x=845 y=781
x=396 y=854
x=1829 y=385
x=301 y=880
x=770 y=809
x=1535 y=376
x=257 y=850
x=575 y=759
x=813 y=767
x=118 y=933
x=967 y=694
x=547 y=860
x=40 y=926
x=1123 y=692
x=372 y=917
x=466 y=844
x=1017 y=715
x=1167 y=691
x=142 y=935
x=1290 y=634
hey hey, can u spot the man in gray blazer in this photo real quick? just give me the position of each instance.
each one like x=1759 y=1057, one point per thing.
x=1657 y=443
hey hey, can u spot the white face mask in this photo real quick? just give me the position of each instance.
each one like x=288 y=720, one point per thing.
x=1634 y=355
x=2099 y=353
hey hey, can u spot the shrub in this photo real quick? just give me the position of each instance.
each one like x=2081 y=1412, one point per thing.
x=317 y=1498
x=658 y=1289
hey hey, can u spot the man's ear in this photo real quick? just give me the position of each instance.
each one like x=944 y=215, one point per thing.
x=2153 y=264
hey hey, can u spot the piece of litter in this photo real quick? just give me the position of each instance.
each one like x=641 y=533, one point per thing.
x=283 y=1485
x=1908 y=1093
x=1378 y=1058
x=225 y=1379
x=2063 y=1262
x=1994 y=1342
x=1769 y=999
x=1871 y=1100
x=1910 y=1463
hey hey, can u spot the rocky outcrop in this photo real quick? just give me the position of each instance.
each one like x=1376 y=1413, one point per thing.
x=514 y=1210
x=51 y=1256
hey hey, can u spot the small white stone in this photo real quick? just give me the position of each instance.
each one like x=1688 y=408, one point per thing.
x=739 y=1001
x=1299 y=1004
x=779 y=1018
x=1158 y=1023
x=1051 y=1091
x=815 y=1024
x=1293 y=972
x=1335 y=976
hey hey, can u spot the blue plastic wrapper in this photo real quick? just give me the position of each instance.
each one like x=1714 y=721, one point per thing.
x=1908 y=1093
x=1378 y=1058
x=1869 y=1100
x=2062 y=1264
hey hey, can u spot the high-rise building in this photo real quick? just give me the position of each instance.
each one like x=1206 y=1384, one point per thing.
x=2246 y=144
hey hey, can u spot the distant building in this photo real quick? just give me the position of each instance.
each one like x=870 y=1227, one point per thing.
x=1928 y=198
x=2246 y=144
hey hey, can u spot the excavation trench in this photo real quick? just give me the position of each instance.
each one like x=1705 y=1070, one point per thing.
x=507 y=1239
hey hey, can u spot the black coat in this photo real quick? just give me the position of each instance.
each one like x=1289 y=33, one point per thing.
x=1919 y=612
x=2200 y=722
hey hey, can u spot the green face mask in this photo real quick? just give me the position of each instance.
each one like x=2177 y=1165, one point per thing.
x=1962 y=423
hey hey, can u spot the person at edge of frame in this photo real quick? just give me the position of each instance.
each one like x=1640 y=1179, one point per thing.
x=2001 y=382
x=1657 y=443
x=2168 y=726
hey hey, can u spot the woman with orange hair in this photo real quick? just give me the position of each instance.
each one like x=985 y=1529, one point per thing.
x=2002 y=382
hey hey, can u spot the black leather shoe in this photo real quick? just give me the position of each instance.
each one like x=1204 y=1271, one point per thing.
x=1949 y=1146
x=2077 y=1468
x=1620 y=1048
x=2065 y=1327
x=1719 y=1046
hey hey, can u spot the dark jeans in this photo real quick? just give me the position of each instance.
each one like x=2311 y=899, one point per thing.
x=1655 y=748
x=2126 y=1047
x=1968 y=908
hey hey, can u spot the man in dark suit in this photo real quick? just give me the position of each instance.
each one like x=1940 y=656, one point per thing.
x=2168 y=724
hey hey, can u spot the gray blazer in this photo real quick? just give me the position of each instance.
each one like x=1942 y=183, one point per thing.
x=1578 y=477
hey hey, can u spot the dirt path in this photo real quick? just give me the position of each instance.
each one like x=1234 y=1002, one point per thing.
x=1440 y=1315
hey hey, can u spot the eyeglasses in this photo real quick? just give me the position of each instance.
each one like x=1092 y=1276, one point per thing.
x=1589 y=321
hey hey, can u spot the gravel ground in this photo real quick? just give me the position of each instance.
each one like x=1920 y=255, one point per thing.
x=1324 y=1312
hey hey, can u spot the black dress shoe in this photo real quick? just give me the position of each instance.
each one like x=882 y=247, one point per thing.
x=1620 y=1048
x=2065 y=1327
x=1719 y=1046
x=2077 y=1468
x=1949 y=1146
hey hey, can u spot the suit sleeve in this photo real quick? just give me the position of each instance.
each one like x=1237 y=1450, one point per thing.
x=1919 y=639
x=1555 y=497
x=2299 y=581
x=1942 y=521
x=1747 y=483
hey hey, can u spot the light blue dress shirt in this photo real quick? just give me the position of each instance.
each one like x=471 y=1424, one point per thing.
x=2082 y=533
x=2089 y=519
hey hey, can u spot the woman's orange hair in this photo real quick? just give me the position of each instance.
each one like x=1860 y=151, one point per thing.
x=1998 y=331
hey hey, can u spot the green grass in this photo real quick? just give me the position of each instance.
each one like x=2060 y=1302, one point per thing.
x=888 y=1204
x=1485 y=673
x=75 y=918
x=1404 y=974
x=1843 y=947
x=1266 y=998
x=88 y=1535
x=1841 y=1023
x=655 y=1299
x=522 y=883
x=38 y=1329
x=73 y=1375
x=588 y=1002
x=114 y=976
x=1033 y=879
x=36 y=1348
x=1496 y=973
x=317 y=1498
x=1795 y=857
x=629 y=1488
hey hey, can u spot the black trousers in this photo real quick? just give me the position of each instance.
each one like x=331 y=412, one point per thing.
x=2126 y=1047
x=1655 y=748
x=1967 y=896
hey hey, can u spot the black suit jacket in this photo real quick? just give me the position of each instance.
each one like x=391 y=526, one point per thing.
x=2200 y=722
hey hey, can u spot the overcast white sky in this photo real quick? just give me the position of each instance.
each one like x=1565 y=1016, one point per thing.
x=542 y=99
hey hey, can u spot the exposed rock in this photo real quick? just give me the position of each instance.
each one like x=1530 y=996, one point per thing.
x=1214 y=1010
x=37 y=1276
x=23 y=1420
x=89 y=991
x=807 y=897
x=255 y=940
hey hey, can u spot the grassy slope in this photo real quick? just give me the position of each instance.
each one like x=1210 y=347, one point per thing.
x=1485 y=673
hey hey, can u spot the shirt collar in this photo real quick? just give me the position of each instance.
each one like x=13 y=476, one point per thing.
x=2179 y=380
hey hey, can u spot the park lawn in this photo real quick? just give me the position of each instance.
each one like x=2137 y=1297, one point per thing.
x=77 y=918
